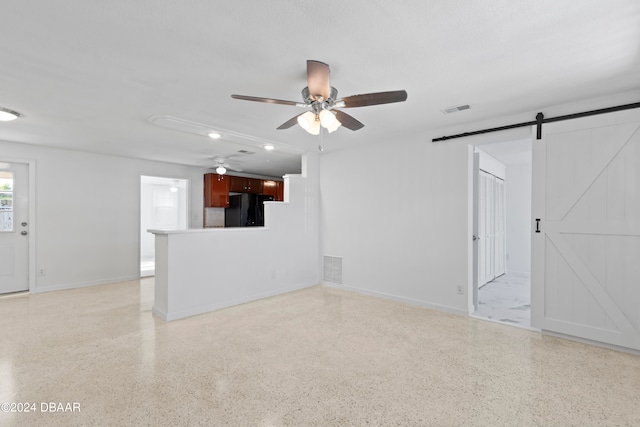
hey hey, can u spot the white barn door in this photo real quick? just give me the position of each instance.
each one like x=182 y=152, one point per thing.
x=586 y=255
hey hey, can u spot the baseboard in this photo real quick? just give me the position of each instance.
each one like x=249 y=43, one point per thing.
x=398 y=298
x=84 y=284
x=161 y=314
x=591 y=342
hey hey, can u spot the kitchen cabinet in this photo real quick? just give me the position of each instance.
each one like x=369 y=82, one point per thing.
x=279 y=191
x=270 y=188
x=273 y=188
x=216 y=190
x=239 y=184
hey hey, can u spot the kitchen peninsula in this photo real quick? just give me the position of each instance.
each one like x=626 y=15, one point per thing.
x=201 y=270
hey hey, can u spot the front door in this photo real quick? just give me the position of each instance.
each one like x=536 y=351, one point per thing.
x=586 y=228
x=14 y=227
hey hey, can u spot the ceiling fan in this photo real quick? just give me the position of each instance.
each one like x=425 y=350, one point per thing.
x=321 y=100
x=222 y=163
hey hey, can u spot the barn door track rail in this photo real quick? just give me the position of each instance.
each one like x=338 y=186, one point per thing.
x=540 y=119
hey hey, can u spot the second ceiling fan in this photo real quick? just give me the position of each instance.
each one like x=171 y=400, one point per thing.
x=321 y=100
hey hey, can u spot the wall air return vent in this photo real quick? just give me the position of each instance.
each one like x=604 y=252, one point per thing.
x=456 y=108
x=332 y=269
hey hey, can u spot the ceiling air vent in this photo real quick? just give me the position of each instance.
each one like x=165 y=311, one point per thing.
x=246 y=152
x=456 y=108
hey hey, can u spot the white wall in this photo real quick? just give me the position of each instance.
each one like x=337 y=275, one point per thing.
x=490 y=165
x=518 y=231
x=88 y=213
x=406 y=234
x=403 y=233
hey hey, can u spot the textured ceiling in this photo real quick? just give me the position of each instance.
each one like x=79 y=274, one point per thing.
x=88 y=74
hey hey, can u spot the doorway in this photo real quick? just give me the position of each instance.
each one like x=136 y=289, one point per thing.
x=502 y=285
x=14 y=227
x=163 y=206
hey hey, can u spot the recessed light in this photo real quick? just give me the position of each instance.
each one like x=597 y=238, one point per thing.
x=269 y=147
x=7 y=115
x=214 y=135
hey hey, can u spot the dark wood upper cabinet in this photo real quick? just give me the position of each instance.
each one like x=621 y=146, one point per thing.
x=273 y=188
x=239 y=184
x=270 y=188
x=216 y=190
x=279 y=191
x=254 y=186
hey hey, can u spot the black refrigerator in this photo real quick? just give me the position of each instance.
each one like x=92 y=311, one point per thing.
x=245 y=210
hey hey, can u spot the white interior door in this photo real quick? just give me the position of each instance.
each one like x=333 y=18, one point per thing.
x=491 y=228
x=14 y=227
x=586 y=255
x=499 y=222
x=485 y=229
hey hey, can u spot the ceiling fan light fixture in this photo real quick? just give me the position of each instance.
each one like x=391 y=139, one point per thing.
x=327 y=118
x=7 y=115
x=321 y=98
x=221 y=170
x=306 y=120
x=334 y=126
x=314 y=129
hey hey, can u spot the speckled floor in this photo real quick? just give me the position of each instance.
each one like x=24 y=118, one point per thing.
x=315 y=357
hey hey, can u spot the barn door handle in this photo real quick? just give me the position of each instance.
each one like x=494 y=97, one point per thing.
x=537 y=225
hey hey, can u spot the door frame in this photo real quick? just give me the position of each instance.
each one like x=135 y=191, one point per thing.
x=472 y=142
x=475 y=227
x=187 y=201
x=31 y=257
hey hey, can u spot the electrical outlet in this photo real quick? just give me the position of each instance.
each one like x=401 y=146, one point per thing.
x=460 y=290
x=42 y=272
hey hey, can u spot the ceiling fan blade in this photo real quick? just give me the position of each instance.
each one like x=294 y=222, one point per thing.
x=291 y=122
x=318 y=79
x=233 y=167
x=348 y=121
x=374 y=98
x=267 y=100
